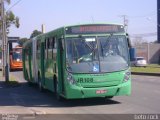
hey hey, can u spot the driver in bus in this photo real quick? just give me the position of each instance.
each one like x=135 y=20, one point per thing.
x=112 y=49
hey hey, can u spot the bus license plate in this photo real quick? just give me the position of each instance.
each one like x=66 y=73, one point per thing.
x=101 y=91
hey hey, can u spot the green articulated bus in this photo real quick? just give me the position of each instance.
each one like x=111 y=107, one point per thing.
x=80 y=61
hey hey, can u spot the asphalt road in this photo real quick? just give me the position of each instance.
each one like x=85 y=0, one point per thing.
x=25 y=99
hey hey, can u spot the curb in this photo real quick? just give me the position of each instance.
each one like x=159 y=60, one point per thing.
x=148 y=74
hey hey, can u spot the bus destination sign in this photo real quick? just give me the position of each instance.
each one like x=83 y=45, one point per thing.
x=94 y=29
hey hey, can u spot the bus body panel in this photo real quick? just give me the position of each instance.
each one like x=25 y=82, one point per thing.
x=77 y=92
x=100 y=88
x=27 y=61
x=34 y=66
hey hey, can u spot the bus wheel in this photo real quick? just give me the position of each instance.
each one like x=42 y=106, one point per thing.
x=108 y=97
x=58 y=97
x=41 y=89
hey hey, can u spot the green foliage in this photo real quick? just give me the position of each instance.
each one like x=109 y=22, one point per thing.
x=35 y=33
x=148 y=69
x=22 y=41
x=11 y=19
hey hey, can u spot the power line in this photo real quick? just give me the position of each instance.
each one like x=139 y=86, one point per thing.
x=125 y=21
x=14 y=5
x=144 y=16
x=144 y=35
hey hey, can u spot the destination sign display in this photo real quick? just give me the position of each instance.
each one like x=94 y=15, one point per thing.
x=94 y=29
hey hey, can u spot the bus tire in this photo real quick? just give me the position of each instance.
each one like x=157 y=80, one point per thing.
x=54 y=83
x=108 y=97
x=40 y=86
x=58 y=97
x=26 y=77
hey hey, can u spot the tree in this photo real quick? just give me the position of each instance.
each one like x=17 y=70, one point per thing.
x=35 y=33
x=155 y=41
x=11 y=19
x=22 y=41
x=137 y=41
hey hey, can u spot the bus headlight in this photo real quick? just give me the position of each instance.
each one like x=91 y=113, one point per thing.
x=70 y=79
x=127 y=76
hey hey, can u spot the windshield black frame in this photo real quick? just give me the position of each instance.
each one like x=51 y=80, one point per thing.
x=98 y=59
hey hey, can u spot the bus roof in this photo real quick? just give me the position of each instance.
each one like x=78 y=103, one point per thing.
x=92 y=24
x=99 y=28
x=62 y=29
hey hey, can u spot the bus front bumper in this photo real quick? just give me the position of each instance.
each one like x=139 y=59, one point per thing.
x=74 y=92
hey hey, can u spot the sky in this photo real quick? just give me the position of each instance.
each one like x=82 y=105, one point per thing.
x=141 y=14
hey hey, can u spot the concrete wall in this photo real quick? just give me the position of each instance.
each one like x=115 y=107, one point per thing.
x=154 y=53
x=151 y=52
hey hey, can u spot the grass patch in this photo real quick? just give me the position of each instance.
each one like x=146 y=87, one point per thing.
x=154 y=65
x=153 y=68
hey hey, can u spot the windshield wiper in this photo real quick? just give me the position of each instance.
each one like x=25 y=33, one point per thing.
x=102 y=50
x=105 y=44
x=108 y=39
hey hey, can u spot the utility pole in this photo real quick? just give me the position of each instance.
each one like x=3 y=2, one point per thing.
x=158 y=21
x=5 y=70
x=125 y=21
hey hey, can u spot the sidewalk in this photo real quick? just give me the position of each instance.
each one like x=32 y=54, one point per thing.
x=10 y=84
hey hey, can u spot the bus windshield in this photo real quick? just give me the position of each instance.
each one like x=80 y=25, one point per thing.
x=97 y=54
x=17 y=56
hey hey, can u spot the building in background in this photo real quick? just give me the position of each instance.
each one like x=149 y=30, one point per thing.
x=150 y=51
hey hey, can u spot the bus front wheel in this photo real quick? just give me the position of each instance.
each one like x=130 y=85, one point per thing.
x=108 y=97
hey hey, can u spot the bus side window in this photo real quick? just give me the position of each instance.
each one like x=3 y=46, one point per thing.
x=38 y=45
x=128 y=40
x=49 y=46
x=38 y=49
x=54 y=48
x=46 y=49
x=53 y=42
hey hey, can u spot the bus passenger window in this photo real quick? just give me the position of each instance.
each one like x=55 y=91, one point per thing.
x=49 y=48
x=53 y=43
x=54 y=47
x=46 y=49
